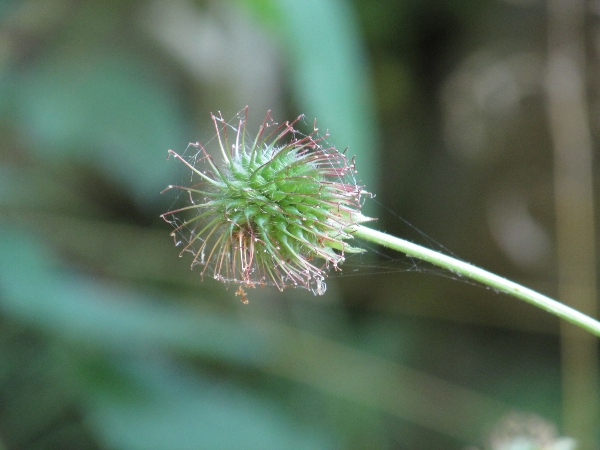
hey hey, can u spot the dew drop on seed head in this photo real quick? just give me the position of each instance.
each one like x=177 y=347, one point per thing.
x=320 y=287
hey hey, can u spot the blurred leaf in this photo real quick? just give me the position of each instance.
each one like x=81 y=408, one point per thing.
x=184 y=411
x=38 y=393
x=174 y=410
x=329 y=71
x=105 y=111
x=94 y=313
x=267 y=11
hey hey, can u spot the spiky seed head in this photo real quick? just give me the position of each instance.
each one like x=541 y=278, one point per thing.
x=278 y=209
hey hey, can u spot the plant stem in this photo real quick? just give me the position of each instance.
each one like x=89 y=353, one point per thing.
x=483 y=276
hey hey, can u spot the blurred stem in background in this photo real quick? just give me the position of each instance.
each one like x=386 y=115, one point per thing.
x=573 y=193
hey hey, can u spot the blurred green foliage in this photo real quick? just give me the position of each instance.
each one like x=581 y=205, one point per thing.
x=108 y=340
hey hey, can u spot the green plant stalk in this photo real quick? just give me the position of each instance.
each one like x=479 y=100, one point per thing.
x=482 y=276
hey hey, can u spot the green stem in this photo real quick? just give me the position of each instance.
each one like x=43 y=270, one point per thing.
x=483 y=276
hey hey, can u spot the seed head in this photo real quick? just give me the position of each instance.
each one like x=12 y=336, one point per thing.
x=278 y=209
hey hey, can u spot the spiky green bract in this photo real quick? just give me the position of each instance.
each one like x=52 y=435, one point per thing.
x=276 y=210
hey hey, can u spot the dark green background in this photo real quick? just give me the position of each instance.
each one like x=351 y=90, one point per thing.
x=108 y=340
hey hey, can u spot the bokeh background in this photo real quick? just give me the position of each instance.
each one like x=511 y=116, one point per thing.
x=474 y=121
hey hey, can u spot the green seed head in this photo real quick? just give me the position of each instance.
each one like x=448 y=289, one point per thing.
x=278 y=209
